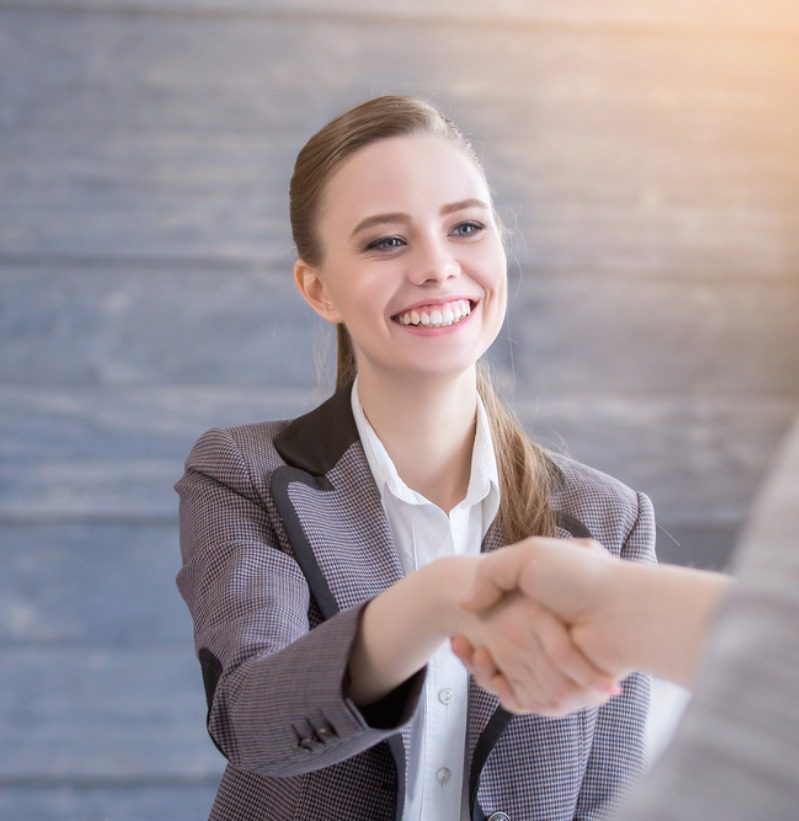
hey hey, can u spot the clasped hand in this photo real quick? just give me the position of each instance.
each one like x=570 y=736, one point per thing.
x=533 y=626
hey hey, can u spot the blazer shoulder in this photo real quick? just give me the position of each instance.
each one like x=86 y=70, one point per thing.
x=608 y=507
x=581 y=478
x=244 y=451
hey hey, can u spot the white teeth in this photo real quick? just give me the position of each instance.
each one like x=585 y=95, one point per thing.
x=438 y=318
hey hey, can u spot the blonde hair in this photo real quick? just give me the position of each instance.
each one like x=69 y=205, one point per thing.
x=526 y=473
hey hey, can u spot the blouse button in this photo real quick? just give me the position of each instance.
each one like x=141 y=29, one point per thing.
x=446 y=695
x=443 y=775
x=498 y=816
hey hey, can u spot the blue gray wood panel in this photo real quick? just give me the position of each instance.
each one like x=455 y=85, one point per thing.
x=74 y=800
x=772 y=17
x=655 y=152
x=92 y=586
x=644 y=155
x=87 y=712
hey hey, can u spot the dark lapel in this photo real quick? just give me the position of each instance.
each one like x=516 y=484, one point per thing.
x=331 y=508
x=316 y=441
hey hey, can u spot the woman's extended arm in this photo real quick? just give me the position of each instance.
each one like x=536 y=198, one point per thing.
x=623 y=615
x=401 y=628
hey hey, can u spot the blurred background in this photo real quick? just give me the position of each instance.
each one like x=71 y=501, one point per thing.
x=645 y=154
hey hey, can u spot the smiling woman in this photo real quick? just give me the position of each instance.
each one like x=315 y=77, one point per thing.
x=438 y=248
x=325 y=558
x=383 y=127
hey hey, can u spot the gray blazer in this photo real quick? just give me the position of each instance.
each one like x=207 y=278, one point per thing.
x=284 y=540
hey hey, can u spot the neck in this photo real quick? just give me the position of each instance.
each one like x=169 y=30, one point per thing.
x=427 y=427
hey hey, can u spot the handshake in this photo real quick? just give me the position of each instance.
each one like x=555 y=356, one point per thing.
x=551 y=626
x=547 y=625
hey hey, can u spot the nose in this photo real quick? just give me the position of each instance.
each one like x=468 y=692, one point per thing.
x=432 y=265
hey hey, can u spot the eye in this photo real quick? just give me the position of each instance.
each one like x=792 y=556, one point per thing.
x=385 y=244
x=467 y=229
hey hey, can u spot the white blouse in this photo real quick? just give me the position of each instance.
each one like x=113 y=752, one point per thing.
x=436 y=785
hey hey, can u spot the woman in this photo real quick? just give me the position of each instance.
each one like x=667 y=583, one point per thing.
x=325 y=558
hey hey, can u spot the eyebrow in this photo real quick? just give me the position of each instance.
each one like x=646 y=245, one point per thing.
x=399 y=216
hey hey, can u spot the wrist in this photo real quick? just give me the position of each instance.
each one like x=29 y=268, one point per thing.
x=448 y=581
x=402 y=627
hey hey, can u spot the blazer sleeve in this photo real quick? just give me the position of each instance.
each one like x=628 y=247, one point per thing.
x=276 y=689
x=618 y=746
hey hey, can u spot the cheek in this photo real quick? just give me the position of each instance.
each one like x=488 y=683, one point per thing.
x=497 y=275
x=495 y=271
x=360 y=298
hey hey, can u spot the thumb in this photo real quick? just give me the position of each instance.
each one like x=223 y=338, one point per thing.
x=496 y=574
x=567 y=576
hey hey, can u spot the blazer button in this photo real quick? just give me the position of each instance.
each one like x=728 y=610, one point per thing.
x=499 y=816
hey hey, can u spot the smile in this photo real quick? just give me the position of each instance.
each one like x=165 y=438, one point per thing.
x=436 y=316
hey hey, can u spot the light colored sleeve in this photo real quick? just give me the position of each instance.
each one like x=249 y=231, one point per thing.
x=735 y=754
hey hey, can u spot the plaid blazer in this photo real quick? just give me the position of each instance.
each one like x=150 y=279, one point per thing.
x=284 y=540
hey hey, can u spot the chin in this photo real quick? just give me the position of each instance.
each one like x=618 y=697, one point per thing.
x=441 y=370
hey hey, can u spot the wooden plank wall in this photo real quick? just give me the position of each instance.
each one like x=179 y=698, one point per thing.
x=645 y=154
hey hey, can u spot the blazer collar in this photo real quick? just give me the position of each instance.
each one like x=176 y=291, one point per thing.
x=316 y=441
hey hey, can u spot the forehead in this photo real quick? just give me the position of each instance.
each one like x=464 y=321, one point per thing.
x=408 y=173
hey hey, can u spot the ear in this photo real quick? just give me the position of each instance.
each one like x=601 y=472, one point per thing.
x=314 y=291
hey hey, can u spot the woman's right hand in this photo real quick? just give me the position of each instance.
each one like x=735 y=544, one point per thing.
x=544 y=671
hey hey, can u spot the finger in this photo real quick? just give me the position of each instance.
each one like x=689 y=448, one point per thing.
x=464 y=651
x=461 y=647
x=548 y=692
x=539 y=684
x=483 y=669
x=518 y=654
x=501 y=688
x=484 y=663
x=532 y=683
x=567 y=661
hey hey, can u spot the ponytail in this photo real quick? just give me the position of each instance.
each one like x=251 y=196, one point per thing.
x=527 y=475
x=345 y=357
